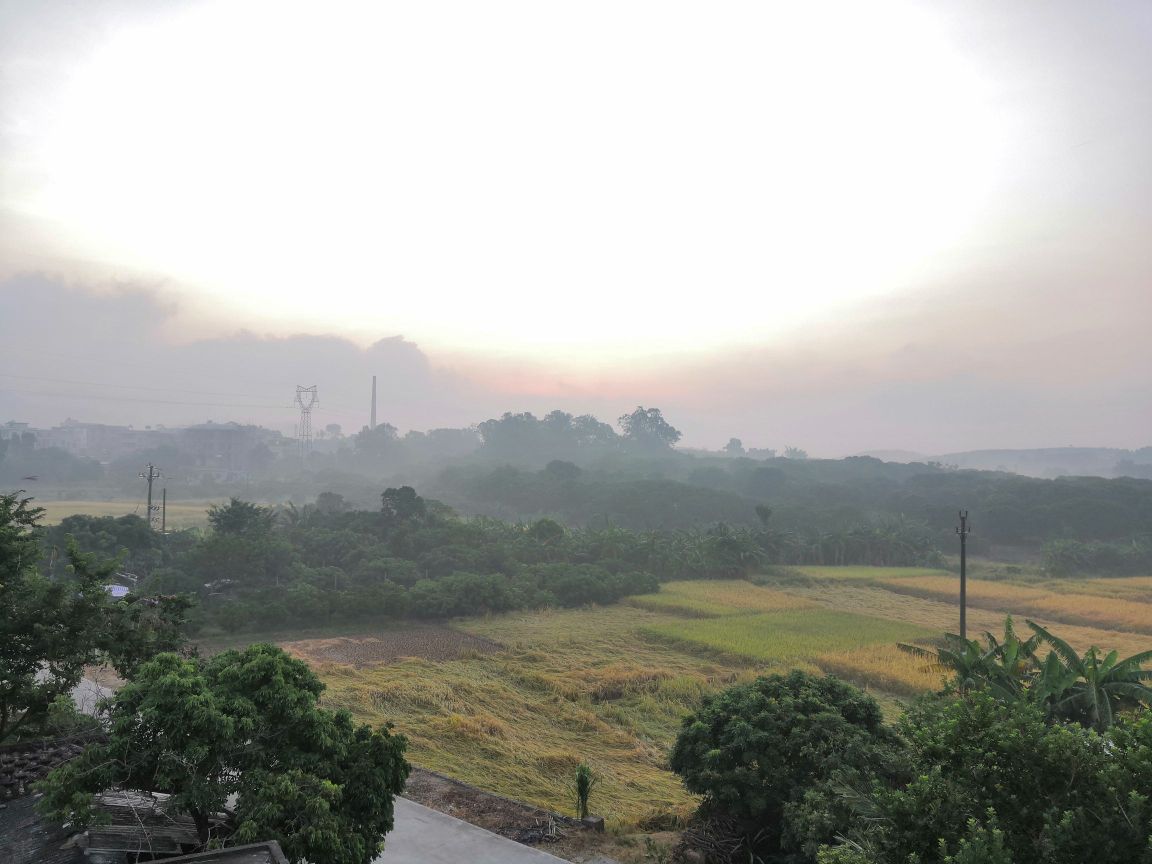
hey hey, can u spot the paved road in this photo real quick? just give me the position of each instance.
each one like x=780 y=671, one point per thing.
x=426 y=836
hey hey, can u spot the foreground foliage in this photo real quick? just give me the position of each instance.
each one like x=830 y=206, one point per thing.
x=51 y=628
x=1025 y=757
x=244 y=724
x=995 y=779
x=1091 y=689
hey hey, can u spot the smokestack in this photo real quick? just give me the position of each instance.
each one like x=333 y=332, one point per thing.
x=373 y=425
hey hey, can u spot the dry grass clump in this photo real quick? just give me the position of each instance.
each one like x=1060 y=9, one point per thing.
x=717 y=598
x=1093 y=610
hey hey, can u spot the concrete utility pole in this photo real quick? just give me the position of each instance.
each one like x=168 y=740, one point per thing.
x=963 y=531
x=152 y=473
x=164 y=510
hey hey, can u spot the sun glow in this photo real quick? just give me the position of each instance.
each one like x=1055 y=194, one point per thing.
x=627 y=178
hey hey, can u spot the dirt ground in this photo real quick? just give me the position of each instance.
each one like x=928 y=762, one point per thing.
x=559 y=835
x=429 y=642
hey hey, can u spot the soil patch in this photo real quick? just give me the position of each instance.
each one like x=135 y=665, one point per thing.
x=429 y=642
x=504 y=816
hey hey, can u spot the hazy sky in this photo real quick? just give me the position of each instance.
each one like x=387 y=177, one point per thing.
x=836 y=225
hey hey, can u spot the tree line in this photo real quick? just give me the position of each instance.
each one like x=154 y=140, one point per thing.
x=264 y=568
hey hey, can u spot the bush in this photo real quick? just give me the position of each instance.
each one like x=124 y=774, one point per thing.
x=988 y=782
x=754 y=750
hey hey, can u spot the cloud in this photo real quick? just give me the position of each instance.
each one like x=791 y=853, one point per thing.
x=992 y=358
x=114 y=355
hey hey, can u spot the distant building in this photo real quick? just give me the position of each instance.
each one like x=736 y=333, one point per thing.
x=228 y=451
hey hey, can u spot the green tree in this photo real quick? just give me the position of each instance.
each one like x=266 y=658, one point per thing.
x=245 y=724
x=49 y=629
x=241 y=518
x=648 y=428
x=754 y=750
x=988 y=781
x=402 y=505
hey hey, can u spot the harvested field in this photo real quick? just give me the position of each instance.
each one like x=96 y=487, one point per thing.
x=429 y=643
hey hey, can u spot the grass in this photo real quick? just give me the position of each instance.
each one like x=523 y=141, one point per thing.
x=1087 y=609
x=717 y=598
x=182 y=515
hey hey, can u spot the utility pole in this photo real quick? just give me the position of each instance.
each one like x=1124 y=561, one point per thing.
x=963 y=531
x=164 y=510
x=151 y=474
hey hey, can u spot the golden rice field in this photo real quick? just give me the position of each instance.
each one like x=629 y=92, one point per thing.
x=611 y=685
x=867 y=573
x=182 y=515
x=1114 y=612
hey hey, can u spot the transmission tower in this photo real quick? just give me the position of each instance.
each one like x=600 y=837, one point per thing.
x=307 y=399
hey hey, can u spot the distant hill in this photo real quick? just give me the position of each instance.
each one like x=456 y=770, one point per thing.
x=1045 y=462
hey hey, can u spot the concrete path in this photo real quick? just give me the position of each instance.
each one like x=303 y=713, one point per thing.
x=426 y=836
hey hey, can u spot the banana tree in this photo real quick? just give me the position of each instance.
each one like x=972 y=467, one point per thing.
x=1090 y=689
x=1003 y=666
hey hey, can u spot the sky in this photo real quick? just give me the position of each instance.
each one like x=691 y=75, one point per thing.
x=841 y=226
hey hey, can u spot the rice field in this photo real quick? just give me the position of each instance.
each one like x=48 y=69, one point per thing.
x=717 y=598
x=610 y=686
x=882 y=666
x=1096 y=610
x=790 y=635
x=868 y=573
x=182 y=515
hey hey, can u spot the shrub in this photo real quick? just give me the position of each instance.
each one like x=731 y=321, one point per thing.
x=755 y=749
